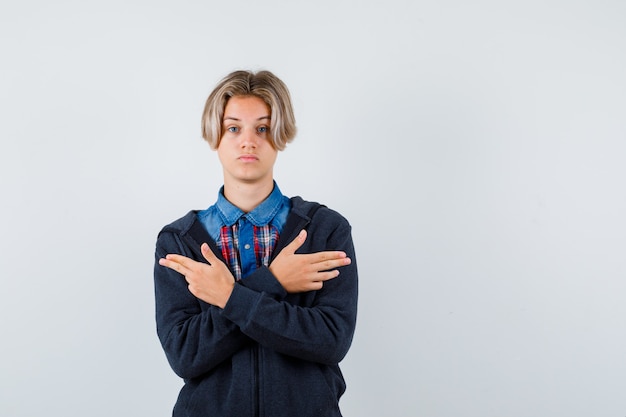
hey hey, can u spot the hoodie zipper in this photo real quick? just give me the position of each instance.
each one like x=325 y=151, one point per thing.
x=257 y=395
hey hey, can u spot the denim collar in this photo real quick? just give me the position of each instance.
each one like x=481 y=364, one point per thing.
x=261 y=215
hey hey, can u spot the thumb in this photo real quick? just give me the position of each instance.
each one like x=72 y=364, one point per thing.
x=208 y=253
x=297 y=242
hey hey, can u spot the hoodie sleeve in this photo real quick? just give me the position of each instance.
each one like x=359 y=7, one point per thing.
x=318 y=330
x=193 y=334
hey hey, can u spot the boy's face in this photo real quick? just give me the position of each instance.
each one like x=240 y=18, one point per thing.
x=245 y=150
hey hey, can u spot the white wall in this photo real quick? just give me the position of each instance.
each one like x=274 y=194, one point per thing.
x=476 y=147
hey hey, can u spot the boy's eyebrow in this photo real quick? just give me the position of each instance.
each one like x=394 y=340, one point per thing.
x=238 y=120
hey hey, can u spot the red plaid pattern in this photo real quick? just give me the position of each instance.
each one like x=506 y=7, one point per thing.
x=265 y=238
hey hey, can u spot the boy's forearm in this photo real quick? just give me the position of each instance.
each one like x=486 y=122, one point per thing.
x=195 y=339
x=321 y=333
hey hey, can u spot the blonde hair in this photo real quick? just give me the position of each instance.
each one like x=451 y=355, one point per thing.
x=262 y=84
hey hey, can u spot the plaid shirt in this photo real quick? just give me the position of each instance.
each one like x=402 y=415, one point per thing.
x=264 y=240
x=246 y=240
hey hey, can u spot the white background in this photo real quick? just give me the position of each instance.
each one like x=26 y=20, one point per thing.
x=477 y=148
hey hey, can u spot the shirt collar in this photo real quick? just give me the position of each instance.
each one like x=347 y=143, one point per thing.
x=261 y=215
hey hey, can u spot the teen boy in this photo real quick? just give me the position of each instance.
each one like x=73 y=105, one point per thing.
x=251 y=309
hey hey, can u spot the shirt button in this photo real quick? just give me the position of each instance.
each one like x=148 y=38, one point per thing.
x=246 y=246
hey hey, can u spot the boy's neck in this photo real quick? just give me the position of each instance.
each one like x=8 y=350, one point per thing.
x=247 y=196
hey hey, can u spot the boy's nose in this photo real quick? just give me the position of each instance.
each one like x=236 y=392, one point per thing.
x=249 y=138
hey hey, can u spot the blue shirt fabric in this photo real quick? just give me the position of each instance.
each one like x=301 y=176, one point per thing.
x=271 y=211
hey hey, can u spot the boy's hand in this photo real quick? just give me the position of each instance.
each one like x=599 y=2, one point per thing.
x=306 y=272
x=211 y=283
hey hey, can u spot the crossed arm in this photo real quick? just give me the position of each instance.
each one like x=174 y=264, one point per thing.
x=197 y=338
x=213 y=283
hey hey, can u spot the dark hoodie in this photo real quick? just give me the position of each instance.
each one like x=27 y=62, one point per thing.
x=267 y=353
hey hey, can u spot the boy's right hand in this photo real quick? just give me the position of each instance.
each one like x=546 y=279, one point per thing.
x=306 y=272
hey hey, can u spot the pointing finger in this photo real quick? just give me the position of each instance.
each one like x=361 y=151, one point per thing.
x=174 y=264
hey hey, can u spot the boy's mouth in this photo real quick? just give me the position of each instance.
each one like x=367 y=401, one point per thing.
x=248 y=158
